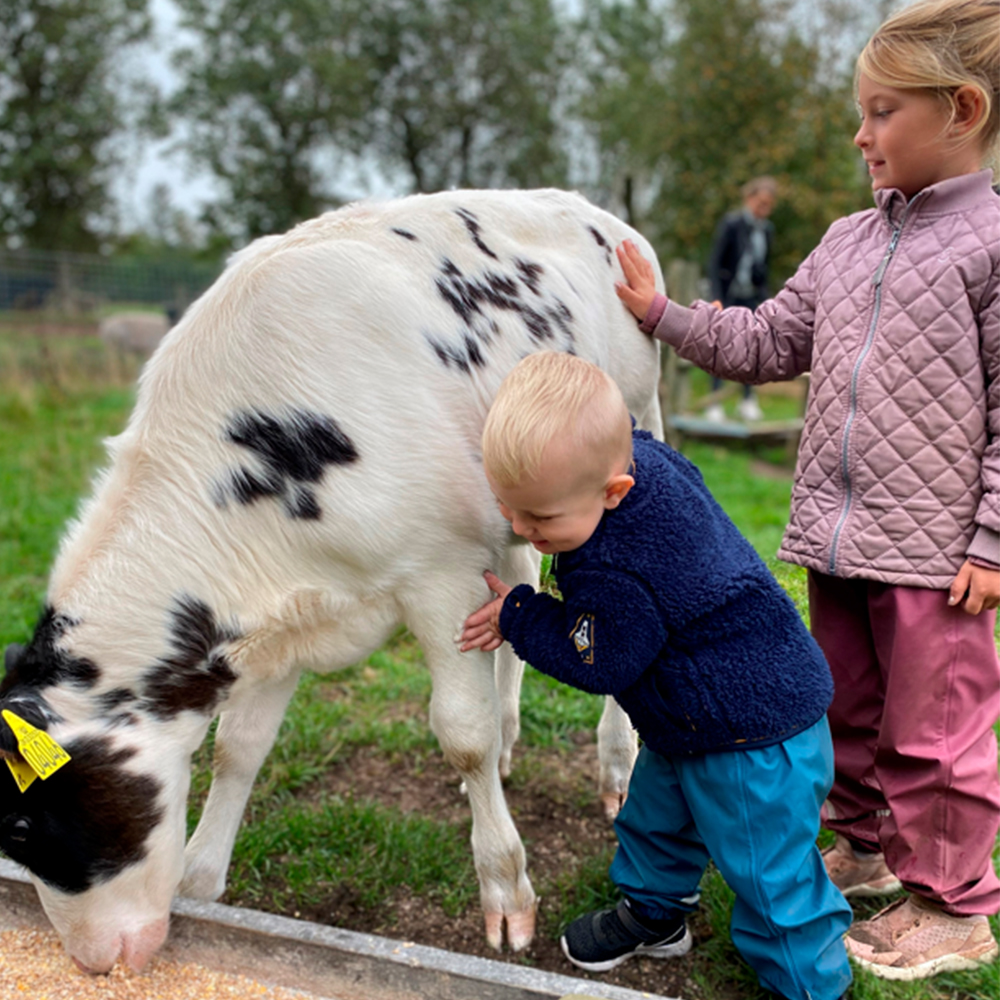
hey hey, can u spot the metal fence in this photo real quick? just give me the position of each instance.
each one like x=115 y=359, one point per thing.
x=72 y=283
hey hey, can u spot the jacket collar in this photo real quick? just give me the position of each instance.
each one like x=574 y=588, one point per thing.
x=957 y=194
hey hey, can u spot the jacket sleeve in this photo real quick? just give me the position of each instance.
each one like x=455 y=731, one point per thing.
x=771 y=344
x=985 y=544
x=600 y=639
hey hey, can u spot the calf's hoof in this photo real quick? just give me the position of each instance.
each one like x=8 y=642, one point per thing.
x=520 y=928
x=613 y=802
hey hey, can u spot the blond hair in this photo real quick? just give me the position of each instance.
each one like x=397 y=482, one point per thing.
x=941 y=45
x=546 y=395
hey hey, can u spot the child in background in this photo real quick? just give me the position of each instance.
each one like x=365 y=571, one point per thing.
x=668 y=608
x=896 y=501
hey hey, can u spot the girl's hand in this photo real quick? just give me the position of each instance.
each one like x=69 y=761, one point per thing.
x=482 y=627
x=640 y=291
x=982 y=586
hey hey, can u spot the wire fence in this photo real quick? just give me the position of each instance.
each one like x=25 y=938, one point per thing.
x=74 y=283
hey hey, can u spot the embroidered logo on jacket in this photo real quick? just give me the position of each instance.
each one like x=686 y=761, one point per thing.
x=583 y=637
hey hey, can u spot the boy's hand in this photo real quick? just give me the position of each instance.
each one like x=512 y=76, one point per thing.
x=982 y=586
x=482 y=627
x=640 y=291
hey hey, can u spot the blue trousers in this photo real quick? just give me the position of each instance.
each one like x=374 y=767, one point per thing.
x=756 y=814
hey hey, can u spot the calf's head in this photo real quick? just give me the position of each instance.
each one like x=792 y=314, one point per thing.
x=101 y=846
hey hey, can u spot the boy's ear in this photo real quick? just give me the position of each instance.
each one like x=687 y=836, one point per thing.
x=616 y=489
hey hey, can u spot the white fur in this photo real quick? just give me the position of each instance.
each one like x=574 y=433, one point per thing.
x=330 y=317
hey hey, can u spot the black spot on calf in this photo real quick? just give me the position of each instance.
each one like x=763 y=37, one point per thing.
x=601 y=242
x=529 y=273
x=42 y=664
x=115 y=698
x=472 y=225
x=292 y=451
x=474 y=297
x=195 y=675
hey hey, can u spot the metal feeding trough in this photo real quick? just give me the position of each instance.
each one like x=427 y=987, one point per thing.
x=326 y=963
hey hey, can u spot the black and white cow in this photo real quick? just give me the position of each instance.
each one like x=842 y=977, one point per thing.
x=300 y=474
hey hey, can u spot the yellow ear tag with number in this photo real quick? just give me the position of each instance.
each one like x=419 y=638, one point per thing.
x=42 y=754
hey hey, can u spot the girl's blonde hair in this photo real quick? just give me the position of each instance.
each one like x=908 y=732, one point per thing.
x=547 y=395
x=941 y=45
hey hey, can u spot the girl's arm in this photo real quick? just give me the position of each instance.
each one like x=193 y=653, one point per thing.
x=977 y=585
x=771 y=344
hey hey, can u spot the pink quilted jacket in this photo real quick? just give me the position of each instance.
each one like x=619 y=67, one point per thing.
x=896 y=314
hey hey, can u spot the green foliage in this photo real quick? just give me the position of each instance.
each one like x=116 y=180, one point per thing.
x=59 y=106
x=692 y=98
x=448 y=92
x=268 y=89
x=467 y=92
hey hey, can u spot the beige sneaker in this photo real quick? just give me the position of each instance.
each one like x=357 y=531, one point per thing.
x=913 y=939
x=854 y=875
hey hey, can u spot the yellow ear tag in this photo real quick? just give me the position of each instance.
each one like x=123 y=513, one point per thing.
x=43 y=755
x=22 y=772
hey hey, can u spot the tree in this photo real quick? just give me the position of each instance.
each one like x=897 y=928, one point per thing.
x=468 y=92
x=279 y=94
x=270 y=88
x=59 y=109
x=733 y=90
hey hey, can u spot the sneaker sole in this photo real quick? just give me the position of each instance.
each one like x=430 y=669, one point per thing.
x=872 y=889
x=946 y=963
x=673 y=950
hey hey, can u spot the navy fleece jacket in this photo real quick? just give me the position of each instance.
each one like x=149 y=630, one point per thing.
x=669 y=608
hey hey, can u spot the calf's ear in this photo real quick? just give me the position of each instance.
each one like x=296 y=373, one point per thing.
x=12 y=656
x=8 y=742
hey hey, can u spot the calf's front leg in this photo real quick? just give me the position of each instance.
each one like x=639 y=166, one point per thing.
x=244 y=737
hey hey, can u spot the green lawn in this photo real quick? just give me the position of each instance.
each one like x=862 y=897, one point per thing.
x=50 y=447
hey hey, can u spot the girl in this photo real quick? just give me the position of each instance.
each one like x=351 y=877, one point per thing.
x=896 y=502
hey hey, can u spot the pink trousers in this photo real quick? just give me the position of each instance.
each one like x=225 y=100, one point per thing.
x=917 y=693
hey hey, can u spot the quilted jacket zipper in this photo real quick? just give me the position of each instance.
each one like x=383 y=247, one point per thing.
x=852 y=411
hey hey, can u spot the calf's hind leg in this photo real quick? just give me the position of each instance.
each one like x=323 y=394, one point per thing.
x=465 y=718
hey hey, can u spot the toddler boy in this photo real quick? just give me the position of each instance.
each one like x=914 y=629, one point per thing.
x=667 y=607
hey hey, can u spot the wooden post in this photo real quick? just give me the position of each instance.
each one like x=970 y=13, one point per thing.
x=683 y=280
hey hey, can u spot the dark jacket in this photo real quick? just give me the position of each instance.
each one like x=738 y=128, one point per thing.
x=668 y=608
x=732 y=240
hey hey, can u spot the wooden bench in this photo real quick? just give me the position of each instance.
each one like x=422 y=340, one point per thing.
x=680 y=423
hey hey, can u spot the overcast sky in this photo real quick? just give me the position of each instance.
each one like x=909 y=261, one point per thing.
x=148 y=163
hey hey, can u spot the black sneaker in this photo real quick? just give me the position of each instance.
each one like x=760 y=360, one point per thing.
x=600 y=941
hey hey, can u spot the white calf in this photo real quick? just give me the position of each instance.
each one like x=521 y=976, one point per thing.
x=300 y=474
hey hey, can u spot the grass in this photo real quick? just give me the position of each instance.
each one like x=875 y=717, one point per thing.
x=298 y=836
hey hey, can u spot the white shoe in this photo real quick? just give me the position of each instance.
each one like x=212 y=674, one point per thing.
x=715 y=414
x=749 y=409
